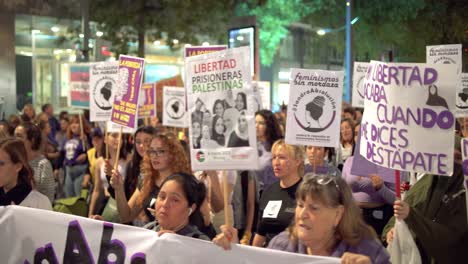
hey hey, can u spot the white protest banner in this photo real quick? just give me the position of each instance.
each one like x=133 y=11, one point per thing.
x=464 y=146
x=222 y=124
x=314 y=108
x=408 y=124
x=174 y=114
x=64 y=238
x=359 y=74
x=103 y=84
x=450 y=54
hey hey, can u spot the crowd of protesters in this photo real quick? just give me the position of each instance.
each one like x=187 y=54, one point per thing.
x=301 y=199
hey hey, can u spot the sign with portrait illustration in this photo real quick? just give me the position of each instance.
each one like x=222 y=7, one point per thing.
x=451 y=54
x=408 y=124
x=359 y=74
x=221 y=119
x=103 y=85
x=174 y=114
x=79 y=85
x=147 y=101
x=314 y=108
x=124 y=109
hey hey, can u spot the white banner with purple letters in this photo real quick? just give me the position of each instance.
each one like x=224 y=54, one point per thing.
x=38 y=236
x=408 y=123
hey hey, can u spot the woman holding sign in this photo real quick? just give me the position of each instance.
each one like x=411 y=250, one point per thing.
x=101 y=182
x=164 y=156
x=277 y=203
x=16 y=177
x=327 y=222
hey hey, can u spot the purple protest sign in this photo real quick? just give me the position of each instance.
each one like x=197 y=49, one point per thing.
x=199 y=50
x=363 y=167
x=147 y=101
x=124 y=109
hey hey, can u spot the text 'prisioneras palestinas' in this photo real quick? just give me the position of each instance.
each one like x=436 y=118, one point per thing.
x=208 y=78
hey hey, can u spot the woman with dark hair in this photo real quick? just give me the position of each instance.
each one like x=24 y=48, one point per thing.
x=196 y=132
x=241 y=101
x=319 y=159
x=345 y=150
x=217 y=131
x=218 y=108
x=41 y=166
x=240 y=136
x=268 y=132
x=327 y=222
x=29 y=113
x=16 y=177
x=101 y=182
x=177 y=207
x=246 y=190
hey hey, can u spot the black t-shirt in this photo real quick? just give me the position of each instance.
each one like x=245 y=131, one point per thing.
x=276 y=211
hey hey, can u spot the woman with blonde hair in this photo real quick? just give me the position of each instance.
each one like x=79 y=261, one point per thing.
x=327 y=222
x=278 y=201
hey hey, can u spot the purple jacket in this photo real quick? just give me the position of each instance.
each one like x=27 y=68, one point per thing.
x=373 y=249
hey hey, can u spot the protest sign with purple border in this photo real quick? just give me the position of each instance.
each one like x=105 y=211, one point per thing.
x=147 y=101
x=408 y=124
x=199 y=50
x=124 y=110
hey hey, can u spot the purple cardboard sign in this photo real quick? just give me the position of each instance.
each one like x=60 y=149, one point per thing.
x=199 y=50
x=125 y=107
x=363 y=167
x=147 y=101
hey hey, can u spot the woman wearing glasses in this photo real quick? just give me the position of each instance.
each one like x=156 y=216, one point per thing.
x=164 y=157
x=101 y=182
x=16 y=177
x=327 y=222
x=277 y=203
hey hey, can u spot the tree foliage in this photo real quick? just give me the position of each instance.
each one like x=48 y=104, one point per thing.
x=125 y=20
x=402 y=26
x=273 y=19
